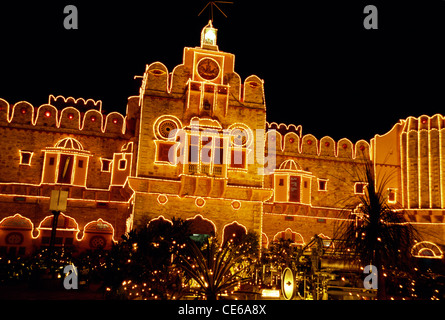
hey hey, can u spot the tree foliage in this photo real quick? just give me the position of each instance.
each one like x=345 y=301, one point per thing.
x=376 y=233
x=219 y=269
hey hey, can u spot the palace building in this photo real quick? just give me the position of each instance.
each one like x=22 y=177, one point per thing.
x=195 y=144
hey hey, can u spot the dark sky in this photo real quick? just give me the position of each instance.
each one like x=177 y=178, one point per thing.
x=321 y=68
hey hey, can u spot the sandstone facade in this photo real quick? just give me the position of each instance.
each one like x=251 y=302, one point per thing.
x=195 y=144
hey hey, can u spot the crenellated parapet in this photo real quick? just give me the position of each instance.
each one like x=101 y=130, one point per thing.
x=183 y=79
x=289 y=141
x=63 y=114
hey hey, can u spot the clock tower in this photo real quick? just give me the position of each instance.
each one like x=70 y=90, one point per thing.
x=199 y=151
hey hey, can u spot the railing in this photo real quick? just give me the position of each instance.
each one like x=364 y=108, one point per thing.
x=217 y=170
x=193 y=168
x=205 y=168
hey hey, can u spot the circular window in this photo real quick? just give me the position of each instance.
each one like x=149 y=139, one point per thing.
x=97 y=242
x=200 y=202
x=14 y=238
x=208 y=69
x=236 y=204
x=241 y=137
x=165 y=127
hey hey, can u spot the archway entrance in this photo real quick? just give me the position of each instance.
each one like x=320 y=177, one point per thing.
x=201 y=229
x=234 y=231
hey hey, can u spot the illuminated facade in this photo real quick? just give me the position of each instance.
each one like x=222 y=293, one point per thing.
x=195 y=144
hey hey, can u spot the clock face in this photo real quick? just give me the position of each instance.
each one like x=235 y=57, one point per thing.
x=208 y=69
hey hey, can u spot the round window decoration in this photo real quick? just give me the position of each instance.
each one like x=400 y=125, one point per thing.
x=200 y=202
x=162 y=199
x=236 y=204
x=14 y=238
x=165 y=127
x=239 y=137
x=208 y=69
x=97 y=242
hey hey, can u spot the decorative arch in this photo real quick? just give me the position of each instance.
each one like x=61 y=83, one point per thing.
x=264 y=241
x=47 y=115
x=114 y=123
x=4 y=110
x=98 y=234
x=69 y=144
x=327 y=241
x=275 y=139
x=67 y=230
x=16 y=235
x=22 y=112
x=92 y=121
x=70 y=118
x=200 y=225
x=159 y=221
x=288 y=234
x=427 y=250
x=344 y=148
x=362 y=149
x=156 y=77
x=327 y=147
x=309 y=144
x=292 y=142
x=234 y=231
x=253 y=89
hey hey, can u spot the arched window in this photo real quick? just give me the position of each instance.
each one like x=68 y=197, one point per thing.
x=201 y=228
x=234 y=231
x=426 y=249
x=295 y=237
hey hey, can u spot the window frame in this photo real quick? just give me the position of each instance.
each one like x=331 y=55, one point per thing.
x=103 y=161
x=325 y=181
x=29 y=154
x=393 y=191
x=364 y=185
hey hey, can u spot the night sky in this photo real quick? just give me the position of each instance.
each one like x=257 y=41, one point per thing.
x=321 y=68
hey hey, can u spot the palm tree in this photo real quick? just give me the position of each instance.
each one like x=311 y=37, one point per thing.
x=376 y=233
x=218 y=269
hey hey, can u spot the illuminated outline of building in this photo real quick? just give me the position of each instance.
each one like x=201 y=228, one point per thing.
x=119 y=173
